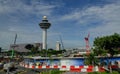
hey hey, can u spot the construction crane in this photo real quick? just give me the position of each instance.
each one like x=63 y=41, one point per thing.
x=87 y=44
x=14 y=45
x=61 y=42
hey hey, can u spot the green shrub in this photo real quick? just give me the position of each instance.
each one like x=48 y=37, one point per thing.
x=93 y=73
x=114 y=72
x=98 y=73
x=52 y=72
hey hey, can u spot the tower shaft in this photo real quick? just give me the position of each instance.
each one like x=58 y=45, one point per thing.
x=44 y=38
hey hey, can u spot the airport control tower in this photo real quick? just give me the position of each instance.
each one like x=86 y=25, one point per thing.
x=44 y=25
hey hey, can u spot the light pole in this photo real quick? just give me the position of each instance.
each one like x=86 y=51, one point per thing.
x=44 y=25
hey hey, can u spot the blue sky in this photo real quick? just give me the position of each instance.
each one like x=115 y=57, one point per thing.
x=70 y=19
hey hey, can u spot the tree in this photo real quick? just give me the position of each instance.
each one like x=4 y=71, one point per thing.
x=51 y=52
x=91 y=59
x=99 y=52
x=110 y=43
x=43 y=52
x=32 y=48
x=15 y=52
x=29 y=46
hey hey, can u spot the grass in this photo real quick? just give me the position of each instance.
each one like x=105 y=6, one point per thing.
x=52 y=72
x=114 y=72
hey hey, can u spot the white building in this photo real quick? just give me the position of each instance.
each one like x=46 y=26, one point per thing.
x=58 y=45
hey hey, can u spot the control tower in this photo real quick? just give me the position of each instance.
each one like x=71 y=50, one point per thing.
x=44 y=25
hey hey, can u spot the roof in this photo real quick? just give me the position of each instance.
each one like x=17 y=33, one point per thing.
x=21 y=47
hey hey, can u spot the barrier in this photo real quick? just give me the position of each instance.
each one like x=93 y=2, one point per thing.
x=26 y=65
x=38 y=67
x=65 y=68
x=43 y=67
x=113 y=66
x=90 y=70
x=81 y=68
x=101 y=69
x=56 y=67
x=32 y=66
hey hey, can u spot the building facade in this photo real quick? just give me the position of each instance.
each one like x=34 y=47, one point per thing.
x=58 y=45
x=22 y=47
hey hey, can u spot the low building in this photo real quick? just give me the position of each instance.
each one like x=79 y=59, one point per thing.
x=22 y=47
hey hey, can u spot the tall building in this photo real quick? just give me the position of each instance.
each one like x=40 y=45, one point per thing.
x=58 y=45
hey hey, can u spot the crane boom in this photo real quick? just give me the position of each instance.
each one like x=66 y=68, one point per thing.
x=14 y=45
x=15 y=39
x=61 y=42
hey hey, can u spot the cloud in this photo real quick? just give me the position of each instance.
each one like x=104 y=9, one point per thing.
x=102 y=20
x=18 y=14
x=111 y=19
x=34 y=7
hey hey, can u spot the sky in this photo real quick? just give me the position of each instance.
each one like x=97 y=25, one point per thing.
x=71 y=21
